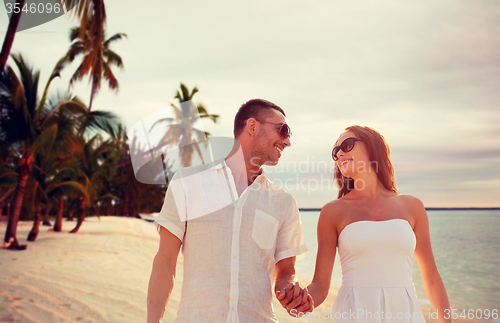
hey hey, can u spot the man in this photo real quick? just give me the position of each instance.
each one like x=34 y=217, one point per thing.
x=236 y=229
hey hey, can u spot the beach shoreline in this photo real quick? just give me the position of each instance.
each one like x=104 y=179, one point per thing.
x=100 y=274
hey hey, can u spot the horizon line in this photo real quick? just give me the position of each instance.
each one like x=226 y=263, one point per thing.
x=311 y=209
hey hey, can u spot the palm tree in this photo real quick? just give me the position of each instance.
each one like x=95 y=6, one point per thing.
x=8 y=174
x=181 y=131
x=11 y=33
x=8 y=181
x=96 y=61
x=52 y=183
x=97 y=158
x=133 y=197
x=92 y=15
x=30 y=126
x=40 y=172
x=65 y=184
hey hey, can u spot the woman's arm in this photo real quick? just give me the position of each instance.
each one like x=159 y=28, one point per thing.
x=433 y=284
x=327 y=244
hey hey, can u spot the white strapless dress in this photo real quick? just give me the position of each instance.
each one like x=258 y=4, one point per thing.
x=376 y=258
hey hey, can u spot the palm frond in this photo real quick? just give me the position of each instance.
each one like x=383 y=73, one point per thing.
x=113 y=38
x=199 y=135
x=177 y=112
x=80 y=72
x=8 y=176
x=65 y=105
x=184 y=95
x=73 y=33
x=109 y=196
x=8 y=194
x=163 y=120
x=108 y=74
x=106 y=121
x=197 y=148
x=112 y=58
x=69 y=187
x=29 y=80
x=45 y=140
x=212 y=117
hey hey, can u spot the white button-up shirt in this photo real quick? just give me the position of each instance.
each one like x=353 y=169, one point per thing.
x=230 y=244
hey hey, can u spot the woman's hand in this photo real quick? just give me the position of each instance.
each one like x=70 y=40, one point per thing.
x=295 y=300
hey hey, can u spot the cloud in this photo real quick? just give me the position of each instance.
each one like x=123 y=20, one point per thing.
x=425 y=74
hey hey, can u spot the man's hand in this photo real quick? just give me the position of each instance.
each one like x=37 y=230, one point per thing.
x=295 y=300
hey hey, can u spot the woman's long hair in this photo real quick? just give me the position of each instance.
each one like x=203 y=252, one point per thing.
x=379 y=155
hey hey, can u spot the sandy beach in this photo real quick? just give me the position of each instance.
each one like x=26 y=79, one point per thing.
x=100 y=274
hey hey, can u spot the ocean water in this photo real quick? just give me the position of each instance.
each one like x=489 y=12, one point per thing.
x=466 y=246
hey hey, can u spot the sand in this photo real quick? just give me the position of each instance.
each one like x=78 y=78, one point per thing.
x=100 y=274
x=97 y=275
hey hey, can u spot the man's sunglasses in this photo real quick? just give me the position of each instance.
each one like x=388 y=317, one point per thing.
x=346 y=146
x=284 y=131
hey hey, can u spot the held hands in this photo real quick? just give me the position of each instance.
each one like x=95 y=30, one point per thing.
x=295 y=300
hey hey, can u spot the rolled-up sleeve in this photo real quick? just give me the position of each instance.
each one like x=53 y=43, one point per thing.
x=173 y=212
x=290 y=241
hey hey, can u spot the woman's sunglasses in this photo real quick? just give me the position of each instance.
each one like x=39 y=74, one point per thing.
x=284 y=131
x=346 y=146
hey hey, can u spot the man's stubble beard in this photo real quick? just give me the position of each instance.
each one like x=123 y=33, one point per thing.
x=261 y=154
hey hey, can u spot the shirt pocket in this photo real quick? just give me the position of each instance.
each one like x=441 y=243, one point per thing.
x=265 y=230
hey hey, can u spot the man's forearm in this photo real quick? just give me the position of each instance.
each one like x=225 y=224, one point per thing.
x=160 y=287
x=284 y=279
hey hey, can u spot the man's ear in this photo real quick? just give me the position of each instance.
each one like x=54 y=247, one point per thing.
x=252 y=127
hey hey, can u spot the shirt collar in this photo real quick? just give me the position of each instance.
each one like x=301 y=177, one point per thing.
x=218 y=164
x=221 y=163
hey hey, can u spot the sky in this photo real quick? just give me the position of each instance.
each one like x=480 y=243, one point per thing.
x=425 y=74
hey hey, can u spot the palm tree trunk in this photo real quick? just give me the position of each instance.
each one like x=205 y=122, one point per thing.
x=70 y=215
x=9 y=36
x=121 y=211
x=81 y=215
x=10 y=239
x=46 y=216
x=58 y=224
x=127 y=206
x=6 y=210
x=36 y=225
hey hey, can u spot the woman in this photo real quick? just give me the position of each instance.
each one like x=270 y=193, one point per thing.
x=377 y=231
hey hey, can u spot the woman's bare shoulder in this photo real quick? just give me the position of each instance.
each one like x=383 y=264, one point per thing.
x=410 y=201
x=414 y=208
x=333 y=210
x=333 y=206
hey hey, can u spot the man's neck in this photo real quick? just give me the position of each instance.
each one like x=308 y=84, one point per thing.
x=243 y=170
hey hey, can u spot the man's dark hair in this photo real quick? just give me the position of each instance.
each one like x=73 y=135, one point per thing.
x=258 y=109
